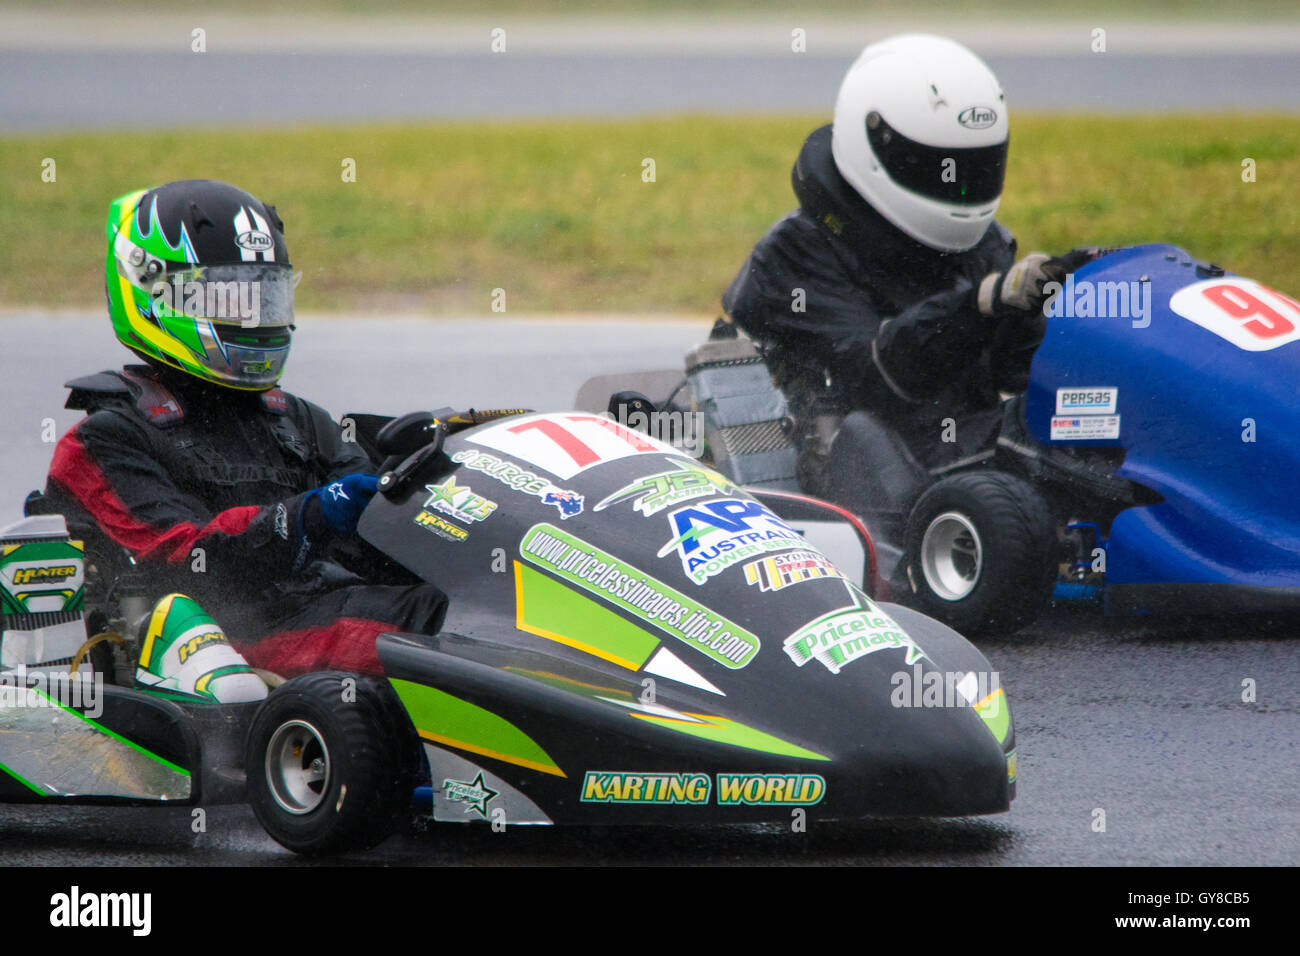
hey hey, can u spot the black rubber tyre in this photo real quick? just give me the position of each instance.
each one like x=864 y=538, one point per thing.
x=981 y=552
x=327 y=773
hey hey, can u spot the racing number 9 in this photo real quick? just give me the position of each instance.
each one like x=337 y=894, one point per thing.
x=1265 y=322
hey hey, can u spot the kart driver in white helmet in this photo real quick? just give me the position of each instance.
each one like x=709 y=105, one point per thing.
x=891 y=288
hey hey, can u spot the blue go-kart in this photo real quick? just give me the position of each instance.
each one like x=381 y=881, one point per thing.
x=1152 y=465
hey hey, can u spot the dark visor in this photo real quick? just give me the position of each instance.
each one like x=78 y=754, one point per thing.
x=973 y=176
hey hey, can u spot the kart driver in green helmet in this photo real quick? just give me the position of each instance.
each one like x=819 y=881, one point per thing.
x=194 y=450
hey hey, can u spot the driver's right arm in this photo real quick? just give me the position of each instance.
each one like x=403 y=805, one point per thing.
x=105 y=465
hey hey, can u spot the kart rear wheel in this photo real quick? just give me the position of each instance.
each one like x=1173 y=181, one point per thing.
x=980 y=552
x=325 y=764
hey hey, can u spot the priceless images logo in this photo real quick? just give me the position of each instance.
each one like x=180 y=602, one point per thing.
x=647 y=598
x=475 y=794
x=711 y=537
x=841 y=637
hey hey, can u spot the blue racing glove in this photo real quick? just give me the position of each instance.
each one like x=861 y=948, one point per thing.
x=339 y=504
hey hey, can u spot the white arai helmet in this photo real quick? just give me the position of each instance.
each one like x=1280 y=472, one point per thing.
x=921 y=133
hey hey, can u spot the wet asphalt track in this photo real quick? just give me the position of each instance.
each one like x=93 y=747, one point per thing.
x=1143 y=721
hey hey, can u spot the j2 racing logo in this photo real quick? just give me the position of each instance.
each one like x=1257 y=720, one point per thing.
x=654 y=493
x=458 y=501
x=711 y=537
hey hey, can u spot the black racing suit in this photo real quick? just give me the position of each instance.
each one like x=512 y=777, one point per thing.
x=205 y=487
x=851 y=313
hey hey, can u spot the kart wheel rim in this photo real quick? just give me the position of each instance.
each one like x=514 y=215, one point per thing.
x=297 y=767
x=952 y=556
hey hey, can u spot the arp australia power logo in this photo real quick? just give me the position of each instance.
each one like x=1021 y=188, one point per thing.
x=711 y=537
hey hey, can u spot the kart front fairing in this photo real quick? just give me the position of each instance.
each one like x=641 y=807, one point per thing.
x=588 y=654
x=1192 y=371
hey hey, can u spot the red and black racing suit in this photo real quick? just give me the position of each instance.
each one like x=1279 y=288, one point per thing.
x=205 y=486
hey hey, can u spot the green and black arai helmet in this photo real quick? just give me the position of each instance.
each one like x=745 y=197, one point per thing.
x=198 y=278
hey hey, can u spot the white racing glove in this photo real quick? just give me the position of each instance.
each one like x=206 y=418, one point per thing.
x=1020 y=288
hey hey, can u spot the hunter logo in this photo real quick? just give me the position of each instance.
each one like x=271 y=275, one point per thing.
x=602 y=786
x=44 y=575
x=458 y=501
x=711 y=537
x=770 y=789
x=977 y=117
x=782 y=570
x=213 y=636
x=843 y=636
x=440 y=526
x=476 y=794
x=653 y=494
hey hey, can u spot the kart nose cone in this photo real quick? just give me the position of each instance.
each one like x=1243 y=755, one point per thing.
x=917 y=747
x=940 y=761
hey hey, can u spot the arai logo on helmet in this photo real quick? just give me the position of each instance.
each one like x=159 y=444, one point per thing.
x=254 y=239
x=977 y=117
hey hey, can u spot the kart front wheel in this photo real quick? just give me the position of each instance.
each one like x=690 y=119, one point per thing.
x=980 y=552
x=324 y=764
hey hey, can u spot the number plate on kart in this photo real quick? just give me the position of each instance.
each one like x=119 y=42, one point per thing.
x=1249 y=315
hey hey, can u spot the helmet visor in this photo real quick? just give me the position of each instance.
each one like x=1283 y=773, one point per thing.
x=964 y=175
x=235 y=319
x=248 y=295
